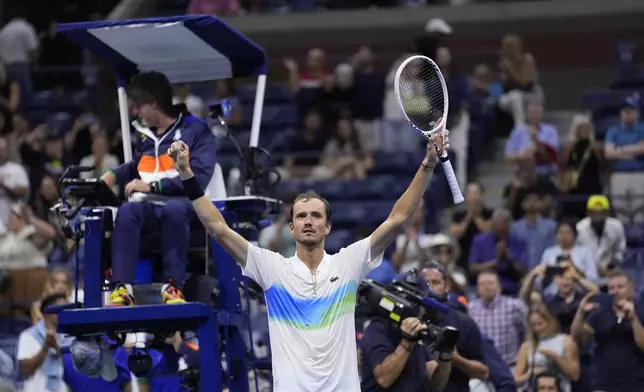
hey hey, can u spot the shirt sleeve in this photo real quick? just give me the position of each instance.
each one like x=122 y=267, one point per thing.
x=609 y=138
x=500 y=374
x=550 y=138
x=474 y=257
x=358 y=258
x=512 y=146
x=28 y=347
x=376 y=345
x=262 y=266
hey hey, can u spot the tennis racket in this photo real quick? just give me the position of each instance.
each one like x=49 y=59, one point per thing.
x=422 y=95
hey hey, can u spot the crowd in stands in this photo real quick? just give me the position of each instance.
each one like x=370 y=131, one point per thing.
x=238 y=7
x=527 y=268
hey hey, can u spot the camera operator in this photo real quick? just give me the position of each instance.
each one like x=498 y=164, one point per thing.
x=468 y=356
x=393 y=360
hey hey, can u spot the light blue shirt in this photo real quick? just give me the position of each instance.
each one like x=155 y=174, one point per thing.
x=581 y=256
x=538 y=237
x=621 y=136
x=520 y=139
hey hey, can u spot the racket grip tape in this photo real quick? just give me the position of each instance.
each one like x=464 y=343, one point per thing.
x=452 y=182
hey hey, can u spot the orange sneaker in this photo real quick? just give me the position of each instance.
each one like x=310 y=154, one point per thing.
x=171 y=295
x=121 y=296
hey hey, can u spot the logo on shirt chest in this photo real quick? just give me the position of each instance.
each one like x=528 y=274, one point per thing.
x=177 y=135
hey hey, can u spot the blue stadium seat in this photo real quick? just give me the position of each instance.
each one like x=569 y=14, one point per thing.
x=396 y=163
x=607 y=100
x=277 y=116
x=60 y=122
x=603 y=124
x=633 y=263
x=274 y=94
x=338 y=239
x=634 y=235
x=352 y=214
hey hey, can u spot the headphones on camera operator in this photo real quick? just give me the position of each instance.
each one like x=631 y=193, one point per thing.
x=409 y=296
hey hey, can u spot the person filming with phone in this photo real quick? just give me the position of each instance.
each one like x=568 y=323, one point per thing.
x=395 y=359
x=614 y=324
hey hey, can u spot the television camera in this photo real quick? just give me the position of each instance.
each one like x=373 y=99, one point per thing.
x=403 y=299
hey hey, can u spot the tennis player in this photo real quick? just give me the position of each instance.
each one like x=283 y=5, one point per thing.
x=311 y=297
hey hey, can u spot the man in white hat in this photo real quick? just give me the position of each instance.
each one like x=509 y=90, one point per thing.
x=436 y=30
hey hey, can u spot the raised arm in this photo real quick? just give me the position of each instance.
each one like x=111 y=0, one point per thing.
x=208 y=214
x=405 y=207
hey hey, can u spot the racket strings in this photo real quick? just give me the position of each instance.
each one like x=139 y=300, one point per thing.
x=421 y=94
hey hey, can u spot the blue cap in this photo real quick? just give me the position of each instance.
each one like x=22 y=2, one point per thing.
x=632 y=102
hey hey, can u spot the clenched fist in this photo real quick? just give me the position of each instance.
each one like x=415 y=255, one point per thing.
x=180 y=155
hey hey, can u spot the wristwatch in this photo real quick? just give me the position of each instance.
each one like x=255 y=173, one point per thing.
x=154 y=187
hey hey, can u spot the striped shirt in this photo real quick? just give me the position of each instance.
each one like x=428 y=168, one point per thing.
x=503 y=320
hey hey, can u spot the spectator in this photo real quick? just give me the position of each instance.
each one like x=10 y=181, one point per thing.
x=19 y=133
x=435 y=35
x=482 y=83
x=500 y=251
x=9 y=101
x=603 y=235
x=39 y=352
x=537 y=232
x=412 y=245
x=568 y=250
x=225 y=90
x=306 y=148
x=614 y=325
x=342 y=94
x=369 y=96
x=277 y=237
x=100 y=160
x=519 y=78
x=582 y=167
x=18 y=49
x=570 y=287
x=526 y=178
x=534 y=140
x=468 y=357
x=59 y=282
x=546 y=350
x=43 y=153
x=311 y=85
x=473 y=220
x=444 y=251
x=194 y=104
x=500 y=317
x=624 y=148
x=78 y=140
x=344 y=156
x=23 y=251
x=547 y=382
x=213 y=7
x=15 y=184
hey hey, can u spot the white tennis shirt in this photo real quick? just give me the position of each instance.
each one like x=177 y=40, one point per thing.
x=311 y=317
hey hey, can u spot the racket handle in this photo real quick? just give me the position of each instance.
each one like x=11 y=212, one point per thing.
x=452 y=181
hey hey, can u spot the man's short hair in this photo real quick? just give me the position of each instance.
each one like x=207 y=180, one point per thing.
x=502 y=214
x=51 y=299
x=149 y=88
x=546 y=374
x=311 y=194
x=619 y=273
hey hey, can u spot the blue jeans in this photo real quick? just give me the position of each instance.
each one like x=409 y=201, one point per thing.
x=172 y=220
x=21 y=74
